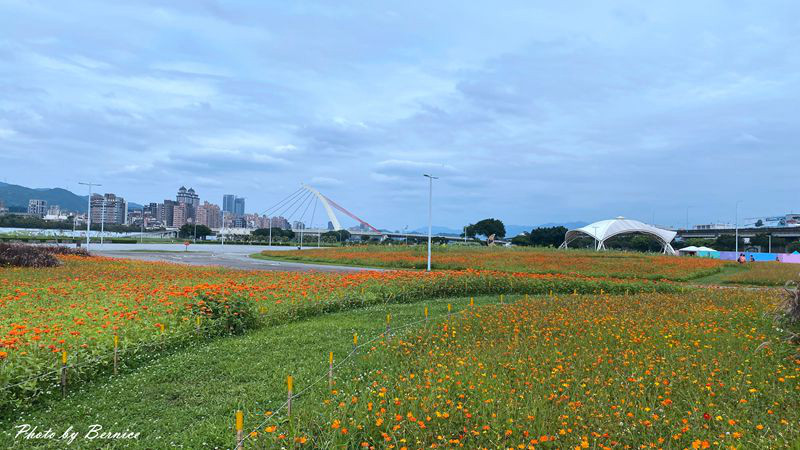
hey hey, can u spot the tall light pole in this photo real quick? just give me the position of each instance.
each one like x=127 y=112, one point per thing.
x=102 y=222
x=430 y=214
x=89 y=211
x=687 y=218
x=737 y=226
x=222 y=229
x=141 y=236
x=270 y=232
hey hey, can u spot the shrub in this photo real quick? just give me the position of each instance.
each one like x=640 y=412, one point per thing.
x=233 y=315
x=20 y=255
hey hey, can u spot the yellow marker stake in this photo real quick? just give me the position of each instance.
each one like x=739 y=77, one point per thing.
x=290 y=382
x=116 y=341
x=526 y=296
x=239 y=430
x=355 y=340
x=472 y=301
x=449 y=307
x=388 y=318
x=64 y=357
x=426 y=313
x=198 y=321
x=330 y=358
x=162 y=327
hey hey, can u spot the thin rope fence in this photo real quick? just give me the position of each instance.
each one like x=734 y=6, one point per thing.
x=292 y=396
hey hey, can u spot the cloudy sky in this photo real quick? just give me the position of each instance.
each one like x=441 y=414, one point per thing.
x=530 y=112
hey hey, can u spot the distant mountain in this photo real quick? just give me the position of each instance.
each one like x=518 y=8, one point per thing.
x=15 y=195
x=436 y=229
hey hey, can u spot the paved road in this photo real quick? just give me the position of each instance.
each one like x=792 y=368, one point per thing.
x=232 y=256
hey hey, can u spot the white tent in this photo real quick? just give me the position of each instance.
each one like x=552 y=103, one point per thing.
x=606 y=229
x=705 y=249
x=689 y=249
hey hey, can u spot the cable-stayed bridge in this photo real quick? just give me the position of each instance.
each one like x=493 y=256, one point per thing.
x=308 y=203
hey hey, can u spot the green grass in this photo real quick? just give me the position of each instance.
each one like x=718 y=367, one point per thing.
x=189 y=396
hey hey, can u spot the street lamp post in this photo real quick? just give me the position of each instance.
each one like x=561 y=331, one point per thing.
x=737 y=226
x=687 y=217
x=102 y=222
x=89 y=211
x=430 y=214
x=141 y=236
x=222 y=229
x=270 y=231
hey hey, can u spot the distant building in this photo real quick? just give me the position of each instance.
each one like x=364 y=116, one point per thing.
x=37 y=207
x=168 y=213
x=298 y=225
x=180 y=215
x=330 y=225
x=209 y=214
x=280 y=222
x=713 y=226
x=55 y=214
x=191 y=201
x=109 y=209
x=228 y=201
x=238 y=207
x=3 y=208
x=239 y=222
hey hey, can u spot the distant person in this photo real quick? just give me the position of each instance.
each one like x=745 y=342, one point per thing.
x=778 y=258
x=752 y=258
x=742 y=259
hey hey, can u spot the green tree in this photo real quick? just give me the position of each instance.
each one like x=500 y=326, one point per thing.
x=336 y=236
x=487 y=227
x=548 y=236
x=523 y=239
x=793 y=247
x=277 y=233
x=188 y=231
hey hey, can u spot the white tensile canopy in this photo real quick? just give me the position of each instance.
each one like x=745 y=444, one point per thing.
x=606 y=229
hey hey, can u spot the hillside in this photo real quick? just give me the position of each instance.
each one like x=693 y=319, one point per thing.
x=15 y=195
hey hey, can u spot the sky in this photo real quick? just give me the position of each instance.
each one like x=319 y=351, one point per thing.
x=529 y=112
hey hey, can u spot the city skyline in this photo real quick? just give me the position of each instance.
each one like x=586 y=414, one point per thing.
x=615 y=111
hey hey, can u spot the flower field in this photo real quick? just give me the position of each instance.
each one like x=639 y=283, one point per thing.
x=605 y=264
x=767 y=274
x=82 y=305
x=693 y=370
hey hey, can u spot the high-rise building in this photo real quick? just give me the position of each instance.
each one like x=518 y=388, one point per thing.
x=180 y=215
x=109 y=209
x=209 y=214
x=168 y=213
x=190 y=199
x=280 y=222
x=228 y=201
x=37 y=207
x=238 y=207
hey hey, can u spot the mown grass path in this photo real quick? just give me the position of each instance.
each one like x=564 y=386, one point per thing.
x=187 y=398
